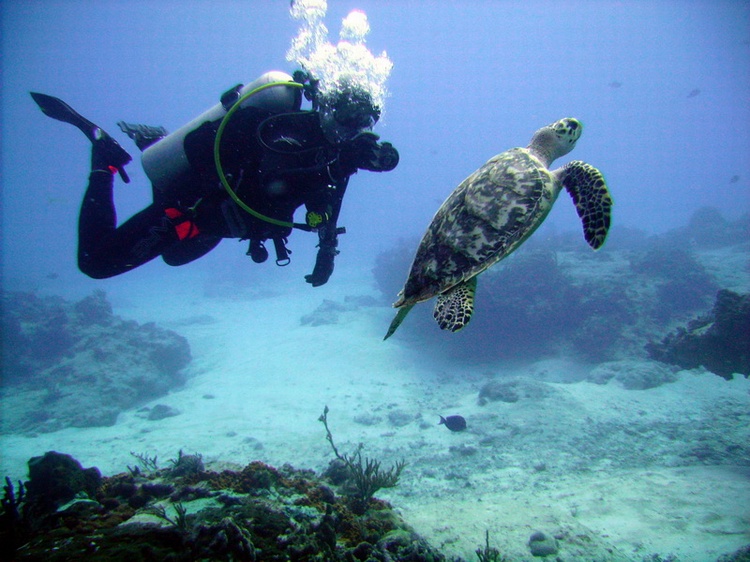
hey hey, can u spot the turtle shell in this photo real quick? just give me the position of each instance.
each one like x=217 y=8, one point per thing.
x=485 y=218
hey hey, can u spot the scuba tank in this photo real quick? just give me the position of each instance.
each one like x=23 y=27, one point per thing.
x=165 y=161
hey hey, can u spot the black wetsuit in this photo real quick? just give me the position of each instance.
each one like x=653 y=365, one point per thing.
x=275 y=163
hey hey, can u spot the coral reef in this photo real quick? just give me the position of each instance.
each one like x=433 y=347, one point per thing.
x=77 y=364
x=364 y=473
x=682 y=284
x=488 y=553
x=531 y=293
x=741 y=555
x=541 y=544
x=256 y=513
x=707 y=228
x=56 y=479
x=185 y=465
x=12 y=528
x=719 y=341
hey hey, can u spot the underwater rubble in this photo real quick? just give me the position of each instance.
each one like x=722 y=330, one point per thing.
x=328 y=311
x=186 y=512
x=76 y=364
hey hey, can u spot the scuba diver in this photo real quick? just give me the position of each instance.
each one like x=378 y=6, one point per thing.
x=240 y=170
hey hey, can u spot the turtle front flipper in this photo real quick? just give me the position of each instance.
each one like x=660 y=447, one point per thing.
x=587 y=187
x=454 y=307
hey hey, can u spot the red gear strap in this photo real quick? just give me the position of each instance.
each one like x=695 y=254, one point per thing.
x=186 y=228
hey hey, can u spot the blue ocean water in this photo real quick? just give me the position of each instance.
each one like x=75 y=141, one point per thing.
x=662 y=89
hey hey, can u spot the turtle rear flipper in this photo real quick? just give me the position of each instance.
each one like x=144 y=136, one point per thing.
x=587 y=187
x=454 y=307
x=396 y=322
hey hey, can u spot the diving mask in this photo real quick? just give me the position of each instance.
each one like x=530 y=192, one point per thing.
x=345 y=114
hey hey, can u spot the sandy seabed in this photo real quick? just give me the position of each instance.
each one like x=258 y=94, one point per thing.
x=616 y=474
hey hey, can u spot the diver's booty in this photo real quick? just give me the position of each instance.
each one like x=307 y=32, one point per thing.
x=106 y=152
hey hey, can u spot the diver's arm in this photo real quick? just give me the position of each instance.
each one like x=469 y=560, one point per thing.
x=324 y=261
x=328 y=232
x=364 y=152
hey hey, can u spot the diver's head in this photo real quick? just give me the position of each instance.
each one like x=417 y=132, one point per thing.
x=346 y=113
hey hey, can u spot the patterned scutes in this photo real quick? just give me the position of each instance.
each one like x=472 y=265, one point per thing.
x=484 y=219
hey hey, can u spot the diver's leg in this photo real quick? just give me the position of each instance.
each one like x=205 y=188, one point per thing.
x=104 y=250
x=189 y=250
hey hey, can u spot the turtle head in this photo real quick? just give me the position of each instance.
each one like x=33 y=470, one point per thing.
x=553 y=141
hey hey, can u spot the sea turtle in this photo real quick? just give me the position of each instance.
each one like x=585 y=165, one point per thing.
x=491 y=213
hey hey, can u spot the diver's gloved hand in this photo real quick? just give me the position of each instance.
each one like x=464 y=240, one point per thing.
x=106 y=153
x=323 y=266
x=364 y=152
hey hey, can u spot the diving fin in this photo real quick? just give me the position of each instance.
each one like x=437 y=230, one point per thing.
x=143 y=135
x=58 y=109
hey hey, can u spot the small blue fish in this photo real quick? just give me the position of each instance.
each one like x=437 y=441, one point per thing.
x=454 y=423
